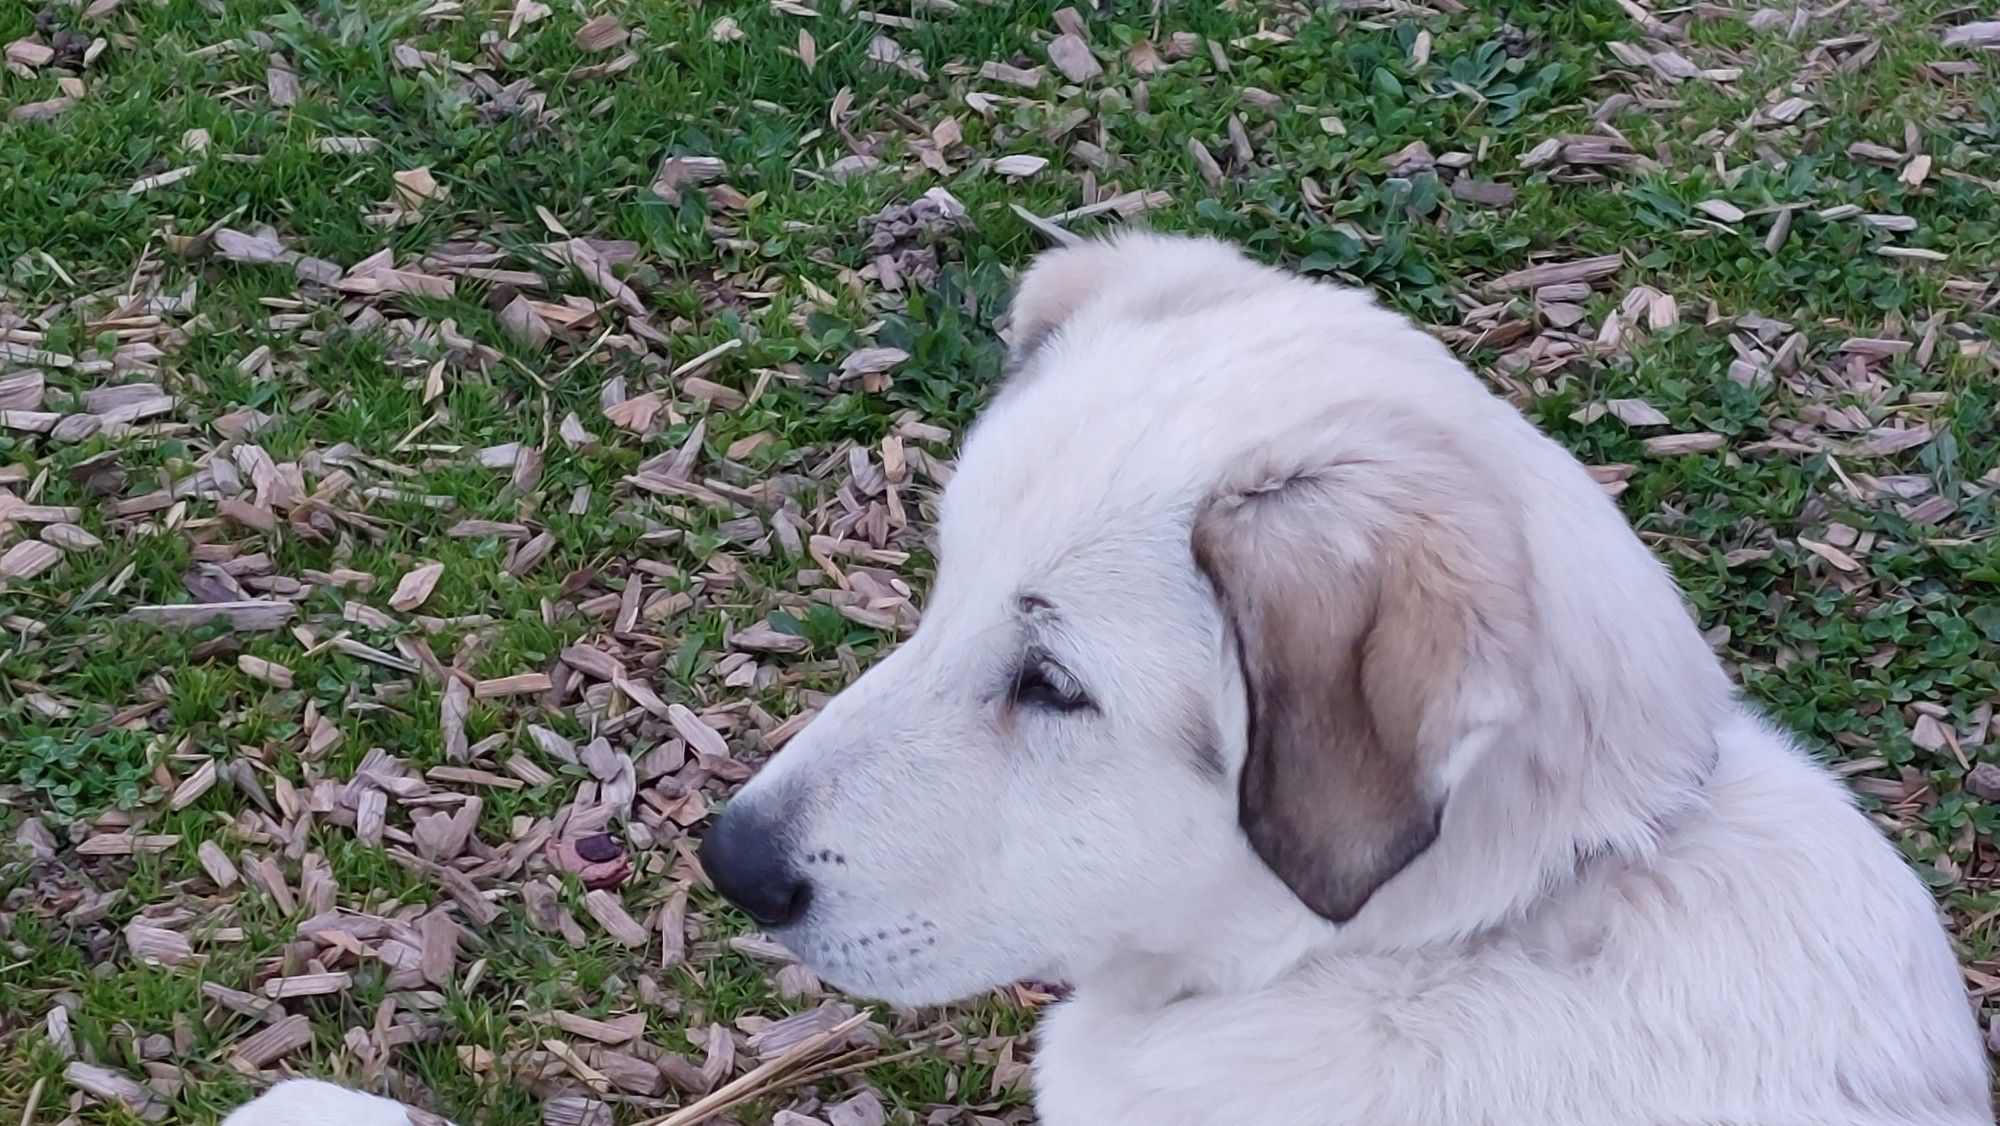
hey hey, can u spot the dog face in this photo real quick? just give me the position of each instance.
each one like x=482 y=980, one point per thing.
x=1195 y=653
x=1039 y=771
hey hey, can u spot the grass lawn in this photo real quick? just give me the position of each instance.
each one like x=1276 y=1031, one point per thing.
x=445 y=445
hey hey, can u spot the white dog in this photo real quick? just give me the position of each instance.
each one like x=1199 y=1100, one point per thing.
x=1327 y=727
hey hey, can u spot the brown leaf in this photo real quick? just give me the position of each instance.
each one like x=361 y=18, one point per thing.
x=1840 y=559
x=601 y=33
x=415 y=587
x=258 y=248
x=1483 y=192
x=46 y=110
x=524 y=325
x=415 y=187
x=282 y=85
x=1070 y=54
x=30 y=53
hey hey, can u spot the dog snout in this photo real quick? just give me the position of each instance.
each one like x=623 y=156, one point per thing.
x=747 y=861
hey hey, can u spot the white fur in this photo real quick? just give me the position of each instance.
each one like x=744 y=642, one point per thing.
x=310 y=1102
x=1645 y=905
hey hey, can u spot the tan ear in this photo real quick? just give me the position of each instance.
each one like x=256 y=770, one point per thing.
x=1375 y=588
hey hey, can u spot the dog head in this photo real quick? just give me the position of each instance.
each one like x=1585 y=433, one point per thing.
x=1227 y=603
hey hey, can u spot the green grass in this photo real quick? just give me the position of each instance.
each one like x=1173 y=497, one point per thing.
x=1847 y=660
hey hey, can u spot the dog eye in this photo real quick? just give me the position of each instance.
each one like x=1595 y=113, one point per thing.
x=1045 y=684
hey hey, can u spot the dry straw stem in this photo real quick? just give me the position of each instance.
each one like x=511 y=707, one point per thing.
x=765 y=1077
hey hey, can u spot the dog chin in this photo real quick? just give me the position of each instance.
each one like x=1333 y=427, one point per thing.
x=914 y=978
x=911 y=985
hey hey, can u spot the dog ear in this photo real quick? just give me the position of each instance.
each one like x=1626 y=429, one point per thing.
x=1375 y=594
x=1060 y=282
x=1147 y=275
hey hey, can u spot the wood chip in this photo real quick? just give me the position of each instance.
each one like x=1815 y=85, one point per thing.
x=29 y=53
x=520 y=684
x=216 y=863
x=307 y=985
x=1636 y=412
x=594 y=662
x=22 y=391
x=1982 y=34
x=161 y=180
x=440 y=938
x=263 y=873
x=194 y=786
x=27 y=559
x=273 y=1042
x=127 y=844
x=468 y=776
x=115 y=1086
x=254 y=615
x=1071 y=55
x=698 y=733
x=1669 y=445
x=1721 y=209
x=630 y=1073
x=1020 y=165
x=270 y=672
x=601 y=34
x=764 y=638
x=345 y=146
x=617 y=1030
x=576 y=1110
x=1204 y=162
x=1027 y=79
x=32 y=422
x=157 y=946
x=610 y=913
x=453 y=706
x=1557 y=273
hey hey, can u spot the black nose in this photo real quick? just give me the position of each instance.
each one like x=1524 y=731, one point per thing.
x=746 y=862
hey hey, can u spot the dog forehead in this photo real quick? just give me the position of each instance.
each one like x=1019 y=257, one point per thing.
x=1042 y=491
